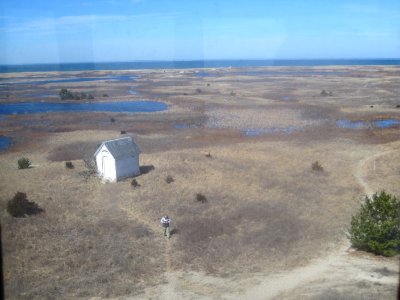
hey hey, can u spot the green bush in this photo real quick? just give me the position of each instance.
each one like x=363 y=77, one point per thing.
x=65 y=94
x=325 y=93
x=201 y=198
x=24 y=163
x=376 y=227
x=19 y=206
x=316 y=166
x=169 y=179
x=135 y=183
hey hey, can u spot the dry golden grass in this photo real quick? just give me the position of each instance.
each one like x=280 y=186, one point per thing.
x=266 y=210
x=82 y=245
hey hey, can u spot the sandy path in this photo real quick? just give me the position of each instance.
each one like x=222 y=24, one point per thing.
x=169 y=290
x=359 y=174
x=336 y=266
x=272 y=286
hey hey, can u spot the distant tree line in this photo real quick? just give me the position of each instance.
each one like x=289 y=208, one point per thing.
x=68 y=95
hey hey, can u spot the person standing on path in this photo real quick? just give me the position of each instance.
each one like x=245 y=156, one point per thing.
x=165 y=222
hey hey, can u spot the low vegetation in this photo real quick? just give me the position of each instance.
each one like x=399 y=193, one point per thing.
x=24 y=163
x=316 y=166
x=135 y=183
x=326 y=93
x=201 y=198
x=65 y=94
x=19 y=206
x=169 y=179
x=376 y=227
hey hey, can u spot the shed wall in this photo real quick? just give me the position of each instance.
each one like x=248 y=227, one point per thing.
x=127 y=167
x=106 y=167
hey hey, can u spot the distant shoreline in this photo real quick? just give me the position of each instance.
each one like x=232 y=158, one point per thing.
x=141 y=65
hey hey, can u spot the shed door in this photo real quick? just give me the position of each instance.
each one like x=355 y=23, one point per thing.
x=105 y=163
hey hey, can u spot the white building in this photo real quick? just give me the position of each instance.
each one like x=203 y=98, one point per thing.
x=117 y=159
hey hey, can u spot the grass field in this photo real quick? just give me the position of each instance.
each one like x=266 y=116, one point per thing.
x=266 y=211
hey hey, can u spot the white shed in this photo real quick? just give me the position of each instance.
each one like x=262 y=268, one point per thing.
x=117 y=159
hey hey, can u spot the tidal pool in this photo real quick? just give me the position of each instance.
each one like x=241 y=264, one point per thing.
x=383 y=123
x=45 y=107
x=5 y=143
x=252 y=132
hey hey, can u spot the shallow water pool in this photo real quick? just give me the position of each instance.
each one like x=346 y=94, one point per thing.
x=45 y=107
x=5 y=143
x=383 y=123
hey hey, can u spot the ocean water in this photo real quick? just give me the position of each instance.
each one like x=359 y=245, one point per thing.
x=192 y=64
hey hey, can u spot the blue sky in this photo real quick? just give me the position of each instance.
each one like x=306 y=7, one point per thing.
x=53 y=31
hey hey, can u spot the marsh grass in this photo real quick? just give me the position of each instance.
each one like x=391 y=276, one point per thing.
x=268 y=213
x=95 y=247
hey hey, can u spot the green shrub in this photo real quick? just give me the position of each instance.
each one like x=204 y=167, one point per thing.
x=65 y=94
x=201 y=198
x=169 y=179
x=135 y=183
x=325 y=93
x=376 y=227
x=19 y=206
x=316 y=166
x=24 y=163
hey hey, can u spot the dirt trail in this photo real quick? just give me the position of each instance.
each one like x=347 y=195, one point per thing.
x=360 y=171
x=169 y=290
x=273 y=286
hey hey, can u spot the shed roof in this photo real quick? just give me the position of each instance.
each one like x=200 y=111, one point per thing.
x=119 y=148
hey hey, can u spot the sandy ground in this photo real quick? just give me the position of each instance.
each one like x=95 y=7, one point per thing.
x=271 y=228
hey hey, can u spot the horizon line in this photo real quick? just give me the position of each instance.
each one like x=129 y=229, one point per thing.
x=199 y=60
